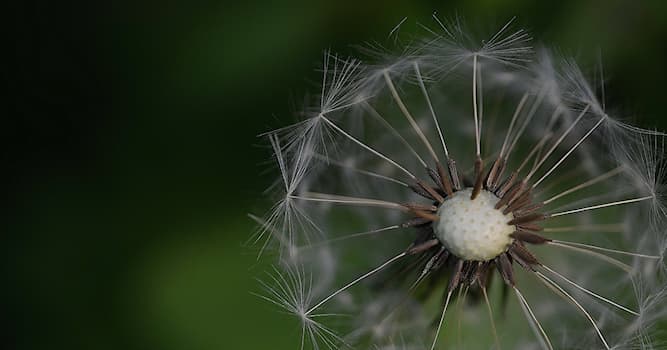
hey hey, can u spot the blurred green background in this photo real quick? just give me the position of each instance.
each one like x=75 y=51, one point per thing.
x=132 y=154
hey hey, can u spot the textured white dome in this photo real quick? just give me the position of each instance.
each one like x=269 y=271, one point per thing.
x=473 y=229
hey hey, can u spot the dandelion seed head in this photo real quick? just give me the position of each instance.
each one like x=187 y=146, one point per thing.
x=465 y=182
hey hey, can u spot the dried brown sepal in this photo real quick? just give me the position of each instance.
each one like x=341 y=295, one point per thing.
x=431 y=191
x=493 y=178
x=453 y=172
x=420 y=191
x=435 y=177
x=422 y=247
x=509 y=196
x=422 y=207
x=509 y=182
x=520 y=202
x=527 y=218
x=529 y=237
x=523 y=256
x=523 y=193
x=531 y=207
x=469 y=271
x=415 y=222
x=504 y=266
x=426 y=215
x=530 y=227
x=456 y=276
x=482 y=274
x=441 y=259
x=444 y=180
x=479 y=178
x=431 y=263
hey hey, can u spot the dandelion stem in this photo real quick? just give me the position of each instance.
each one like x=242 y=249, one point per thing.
x=600 y=256
x=430 y=107
x=590 y=228
x=587 y=291
x=408 y=116
x=351 y=236
x=428 y=268
x=532 y=320
x=331 y=198
x=359 y=279
x=442 y=319
x=366 y=147
x=526 y=122
x=491 y=319
x=394 y=132
x=557 y=143
x=585 y=184
x=550 y=283
x=517 y=111
x=562 y=159
x=600 y=206
x=474 y=105
x=589 y=246
x=360 y=171
x=535 y=149
x=480 y=90
x=460 y=301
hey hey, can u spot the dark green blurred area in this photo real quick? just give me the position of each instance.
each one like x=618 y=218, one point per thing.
x=133 y=157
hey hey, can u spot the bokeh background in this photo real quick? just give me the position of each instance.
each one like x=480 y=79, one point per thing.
x=132 y=156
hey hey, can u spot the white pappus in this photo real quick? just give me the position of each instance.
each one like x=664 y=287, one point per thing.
x=466 y=194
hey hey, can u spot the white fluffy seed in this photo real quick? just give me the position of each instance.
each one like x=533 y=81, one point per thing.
x=473 y=229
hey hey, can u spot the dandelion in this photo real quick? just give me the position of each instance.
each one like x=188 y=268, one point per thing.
x=471 y=194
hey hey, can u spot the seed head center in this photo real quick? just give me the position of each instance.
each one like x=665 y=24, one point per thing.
x=473 y=229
